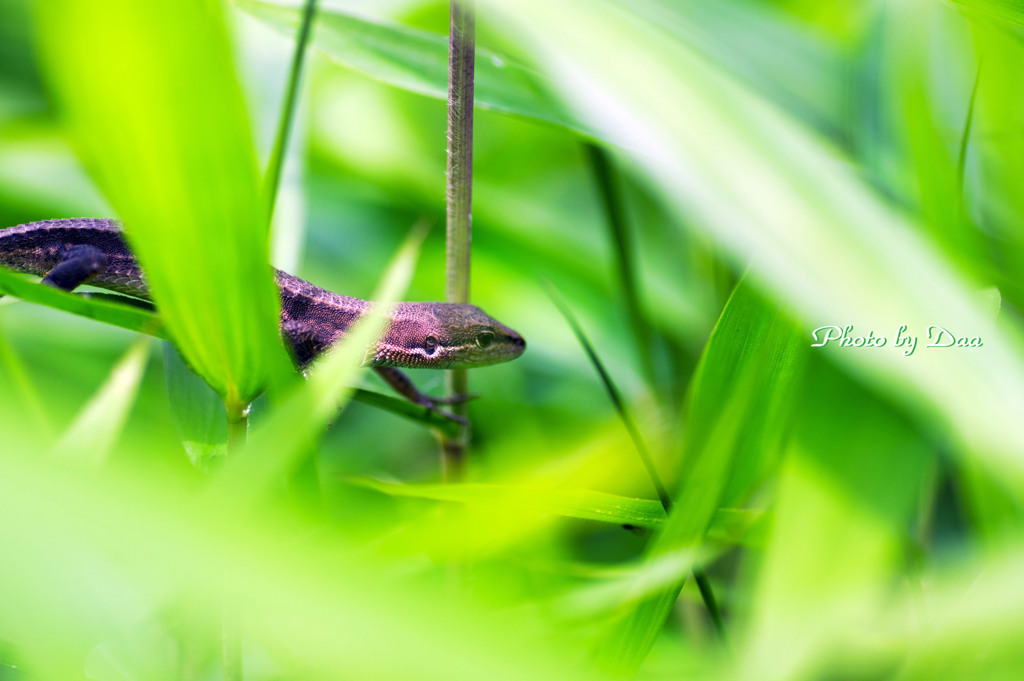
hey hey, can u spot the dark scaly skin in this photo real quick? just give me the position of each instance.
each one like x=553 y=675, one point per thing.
x=419 y=335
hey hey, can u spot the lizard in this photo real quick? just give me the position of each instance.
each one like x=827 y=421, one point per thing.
x=71 y=252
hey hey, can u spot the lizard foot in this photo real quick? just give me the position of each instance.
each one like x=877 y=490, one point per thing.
x=448 y=415
x=455 y=399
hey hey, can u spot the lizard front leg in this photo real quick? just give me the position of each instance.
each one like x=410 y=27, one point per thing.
x=405 y=387
x=302 y=342
x=78 y=265
x=305 y=346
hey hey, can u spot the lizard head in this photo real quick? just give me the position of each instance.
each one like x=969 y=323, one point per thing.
x=444 y=336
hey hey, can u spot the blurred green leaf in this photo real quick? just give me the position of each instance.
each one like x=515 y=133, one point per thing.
x=417 y=60
x=924 y=108
x=315 y=604
x=737 y=418
x=24 y=393
x=152 y=100
x=149 y=655
x=771 y=193
x=630 y=585
x=573 y=503
x=774 y=54
x=1011 y=11
x=994 y=164
x=91 y=437
x=301 y=417
x=198 y=413
x=729 y=525
x=815 y=145
x=614 y=396
x=853 y=483
x=732 y=526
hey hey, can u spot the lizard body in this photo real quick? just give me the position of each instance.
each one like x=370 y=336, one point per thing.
x=68 y=253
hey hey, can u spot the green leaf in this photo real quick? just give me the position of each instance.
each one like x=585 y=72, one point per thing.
x=923 y=107
x=106 y=310
x=1010 y=11
x=766 y=47
x=572 y=503
x=614 y=396
x=198 y=413
x=155 y=108
x=315 y=602
x=738 y=415
x=15 y=377
x=733 y=526
x=92 y=435
x=418 y=61
x=854 y=484
x=770 y=193
x=302 y=415
x=729 y=525
x=407 y=410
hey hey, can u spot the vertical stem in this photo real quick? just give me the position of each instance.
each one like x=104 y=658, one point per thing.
x=461 y=51
x=231 y=639
x=238 y=422
x=272 y=178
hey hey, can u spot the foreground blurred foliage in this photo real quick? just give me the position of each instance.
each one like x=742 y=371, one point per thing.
x=761 y=169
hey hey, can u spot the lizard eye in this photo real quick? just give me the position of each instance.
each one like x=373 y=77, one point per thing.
x=430 y=345
x=484 y=339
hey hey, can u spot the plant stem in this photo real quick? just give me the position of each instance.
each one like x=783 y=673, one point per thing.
x=461 y=51
x=272 y=177
x=238 y=423
x=231 y=639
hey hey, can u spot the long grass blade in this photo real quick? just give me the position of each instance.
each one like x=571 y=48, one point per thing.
x=155 y=108
x=315 y=604
x=858 y=480
x=106 y=310
x=418 y=61
x=300 y=418
x=745 y=179
x=24 y=393
x=573 y=503
x=198 y=412
x=729 y=526
x=91 y=437
x=965 y=136
x=738 y=416
x=272 y=176
x=622 y=249
x=615 y=396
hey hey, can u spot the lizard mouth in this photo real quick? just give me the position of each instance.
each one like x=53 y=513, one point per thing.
x=518 y=344
x=507 y=347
